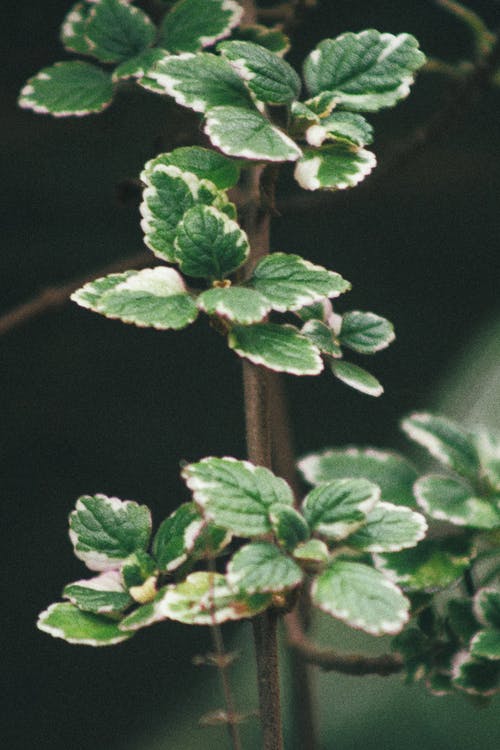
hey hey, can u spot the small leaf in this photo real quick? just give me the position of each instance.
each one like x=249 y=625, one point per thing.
x=104 y=594
x=390 y=471
x=73 y=29
x=365 y=71
x=201 y=81
x=68 y=88
x=104 y=530
x=243 y=132
x=272 y=39
x=389 y=528
x=66 y=621
x=446 y=498
x=235 y=303
x=289 y=527
x=289 y=282
x=209 y=244
x=476 y=676
x=486 y=644
x=444 y=440
x=117 y=30
x=365 y=332
x=270 y=78
x=205 y=163
x=175 y=537
x=139 y=65
x=338 y=508
x=361 y=597
x=137 y=569
x=323 y=337
x=236 y=494
x=192 y=24
x=335 y=167
x=356 y=377
x=279 y=347
x=260 y=567
x=143 y=616
x=488 y=448
x=487 y=607
x=312 y=551
x=339 y=126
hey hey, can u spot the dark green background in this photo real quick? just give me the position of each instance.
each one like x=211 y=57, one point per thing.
x=91 y=405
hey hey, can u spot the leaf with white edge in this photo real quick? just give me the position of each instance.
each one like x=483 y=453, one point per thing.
x=140 y=65
x=68 y=89
x=289 y=282
x=209 y=244
x=356 y=377
x=73 y=29
x=104 y=530
x=391 y=472
x=260 y=568
x=88 y=296
x=143 y=616
x=487 y=607
x=365 y=71
x=237 y=131
x=236 y=494
x=444 y=440
x=272 y=39
x=201 y=81
x=312 y=551
x=205 y=163
x=365 y=332
x=104 y=594
x=389 y=528
x=336 y=509
x=323 y=104
x=430 y=566
x=235 y=303
x=447 y=498
x=175 y=537
x=340 y=126
x=116 y=31
x=323 y=337
x=64 y=620
x=279 y=347
x=476 y=676
x=137 y=569
x=270 y=78
x=289 y=527
x=206 y=599
x=361 y=597
x=488 y=448
x=321 y=311
x=210 y=541
x=192 y=24
x=486 y=644
x=335 y=167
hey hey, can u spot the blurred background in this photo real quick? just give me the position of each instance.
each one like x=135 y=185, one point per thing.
x=92 y=405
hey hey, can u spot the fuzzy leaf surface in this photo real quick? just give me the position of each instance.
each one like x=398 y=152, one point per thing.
x=262 y=568
x=389 y=528
x=116 y=30
x=104 y=594
x=334 y=167
x=338 y=508
x=365 y=332
x=279 y=347
x=447 y=498
x=238 y=304
x=205 y=163
x=289 y=526
x=64 y=620
x=356 y=377
x=192 y=24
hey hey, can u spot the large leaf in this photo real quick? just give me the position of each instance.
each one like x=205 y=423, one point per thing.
x=270 y=78
x=390 y=471
x=104 y=530
x=116 y=30
x=361 y=597
x=365 y=71
x=175 y=537
x=338 y=508
x=334 y=167
x=338 y=126
x=239 y=131
x=260 y=568
x=68 y=88
x=279 y=347
x=104 y=594
x=192 y=24
x=389 y=528
x=365 y=332
x=73 y=29
x=235 y=303
x=289 y=282
x=446 y=498
x=236 y=494
x=66 y=621
x=205 y=163
x=356 y=377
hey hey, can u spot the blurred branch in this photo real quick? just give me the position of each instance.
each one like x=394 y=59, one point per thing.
x=484 y=39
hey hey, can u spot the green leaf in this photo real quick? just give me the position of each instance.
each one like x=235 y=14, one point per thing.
x=74 y=27
x=365 y=71
x=270 y=78
x=175 y=537
x=205 y=163
x=137 y=569
x=323 y=337
x=68 y=88
x=389 y=528
x=272 y=39
x=338 y=508
x=289 y=282
x=416 y=650
x=361 y=597
x=143 y=616
x=356 y=377
x=66 y=621
x=488 y=448
x=391 y=472
x=90 y=294
x=104 y=530
x=117 y=31
x=192 y=24
x=139 y=65
x=476 y=676
x=236 y=494
x=365 y=332
x=444 y=440
x=430 y=566
x=151 y=298
x=289 y=527
x=312 y=551
x=209 y=244
x=447 y=498
x=487 y=607
x=210 y=541
x=235 y=303
x=335 y=167
x=243 y=132
x=206 y=599
x=104 y=594
x=321 y=311
x=461 y=619
x=201 y=81
x=339 y=126
x=279 y=347
x=487 y=644
x=260 y=568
